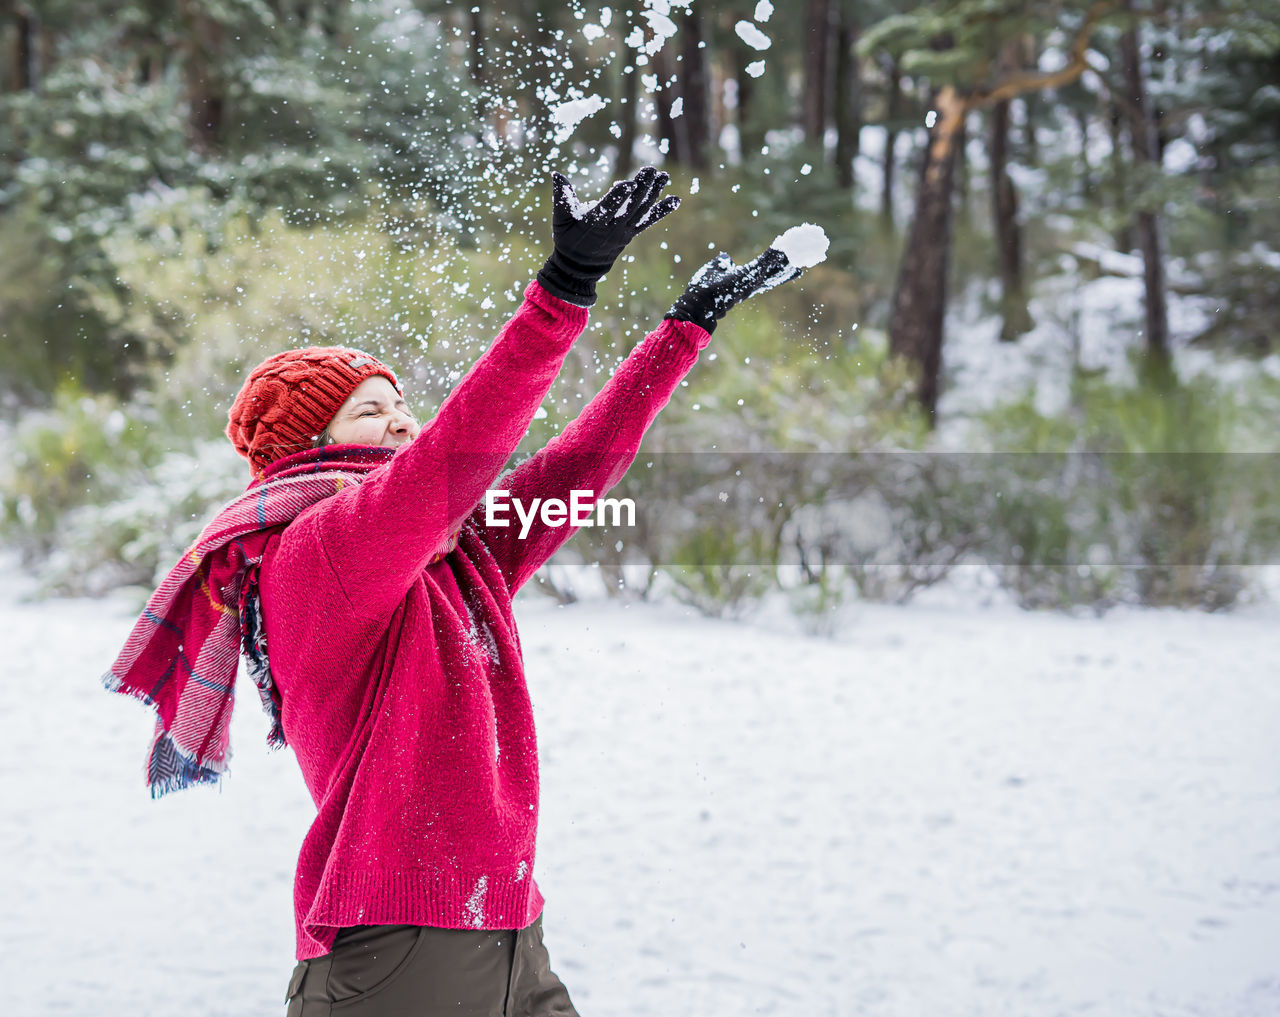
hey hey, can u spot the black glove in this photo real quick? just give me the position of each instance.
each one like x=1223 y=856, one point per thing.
x=720 y=284
x=589 y=238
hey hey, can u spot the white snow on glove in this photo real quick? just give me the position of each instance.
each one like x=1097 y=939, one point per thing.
x=719 y=285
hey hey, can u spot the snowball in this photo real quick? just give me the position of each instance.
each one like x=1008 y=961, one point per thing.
x=752 y=36
x=805 y=245
x=755 y=68
x=567 y=115
x=764 y=11
x=677 y=108
x=592 y=32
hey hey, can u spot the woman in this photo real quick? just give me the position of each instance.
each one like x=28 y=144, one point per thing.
x=361 y=557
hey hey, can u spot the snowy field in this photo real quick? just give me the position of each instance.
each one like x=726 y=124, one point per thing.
x=947 y=809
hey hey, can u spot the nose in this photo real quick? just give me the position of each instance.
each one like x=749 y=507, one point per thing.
x=403 y=425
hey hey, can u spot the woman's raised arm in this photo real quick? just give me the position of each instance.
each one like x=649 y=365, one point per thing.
x=379 y=536
x=595 y=451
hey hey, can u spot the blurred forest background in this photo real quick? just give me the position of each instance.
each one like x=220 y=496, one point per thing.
x=1043 y=343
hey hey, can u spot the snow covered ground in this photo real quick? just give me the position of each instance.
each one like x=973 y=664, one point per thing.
x=947 y=809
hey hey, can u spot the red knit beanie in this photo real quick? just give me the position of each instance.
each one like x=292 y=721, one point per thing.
x=290 y=397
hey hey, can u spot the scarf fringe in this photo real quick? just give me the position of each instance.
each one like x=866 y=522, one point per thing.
x=253 y=634
x=113 y=682
x=169 y=768
x=180 y=658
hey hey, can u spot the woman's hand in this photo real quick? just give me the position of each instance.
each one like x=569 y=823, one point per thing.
x=720 y=284
x=589 y=237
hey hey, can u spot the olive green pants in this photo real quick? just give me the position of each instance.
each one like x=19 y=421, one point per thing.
x=420 y=971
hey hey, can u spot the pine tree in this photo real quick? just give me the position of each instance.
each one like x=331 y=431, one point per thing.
x=956 y=46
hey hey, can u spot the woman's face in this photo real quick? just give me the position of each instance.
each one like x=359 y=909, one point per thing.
x=374 y=414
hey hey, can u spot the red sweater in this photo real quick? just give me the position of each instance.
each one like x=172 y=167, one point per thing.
x=402 y=681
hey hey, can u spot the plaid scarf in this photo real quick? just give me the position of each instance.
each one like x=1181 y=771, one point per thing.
x=182 y=654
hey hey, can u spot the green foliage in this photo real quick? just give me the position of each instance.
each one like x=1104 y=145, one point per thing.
x=48 y=343
x=721 y=570
x=1152 y=494
x=88 y=143
x=90 y=138
x=816 y=603
x=93 y=497
x=744 y=479
x=307 y=126
x=359 y=189
x=54 y=462
x=958 y=42
x=102 y=491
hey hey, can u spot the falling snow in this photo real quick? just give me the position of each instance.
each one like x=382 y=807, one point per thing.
x=657 y=15
x=752 y=36
x=567 y=115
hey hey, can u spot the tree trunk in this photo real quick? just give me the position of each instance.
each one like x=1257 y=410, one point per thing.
x=21 y=77
x=1119 y=180
x=1146 y=222
x=478 y=43
x=750 y=135
x=894 y=101
x=46 y=54
x=1159 y=57
x=330 y=17
x=1015 y=317
x=662 y=100
x=628 y=114
x=1086 y=171
x=476 y=40
x=298 y=15
x=817 y=46
x=153 y=55
x=1030 y=149
x=919 y=299
x=848 y=98
x=205 y=97
x=537 y=130
x=694 y=127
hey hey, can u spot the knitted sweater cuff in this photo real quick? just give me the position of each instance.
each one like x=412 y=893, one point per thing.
x=561 y=281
